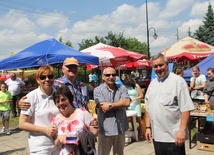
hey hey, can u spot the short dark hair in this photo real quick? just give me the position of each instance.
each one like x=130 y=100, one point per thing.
x=129 y=82
x=211 y=69
x=63 y=91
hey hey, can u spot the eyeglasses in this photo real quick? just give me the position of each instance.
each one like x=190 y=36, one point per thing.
x=60 y=100
x=43 y=77
x=159 y=65
x=108 y=75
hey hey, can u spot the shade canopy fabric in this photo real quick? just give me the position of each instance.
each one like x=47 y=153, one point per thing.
x=112 y=56
x=203 y=65
x=45 y=52
x=188 y=50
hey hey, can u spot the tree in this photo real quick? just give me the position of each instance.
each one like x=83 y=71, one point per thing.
x=68 y=43
x=131 y=44
x=205 y=32
x=135 y=45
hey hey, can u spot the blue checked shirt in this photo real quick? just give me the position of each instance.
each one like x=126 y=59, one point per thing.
x=79 y=91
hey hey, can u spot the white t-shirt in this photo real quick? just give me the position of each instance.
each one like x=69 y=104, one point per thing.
x=90 y=77
x=14 y=86
x=198 y=94
x=42 y=112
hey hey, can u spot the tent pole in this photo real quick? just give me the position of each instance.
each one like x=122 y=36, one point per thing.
x=119 y=71
x=85 y=72
x=188 y=65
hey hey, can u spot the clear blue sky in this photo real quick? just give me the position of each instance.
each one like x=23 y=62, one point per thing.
x=23 y=23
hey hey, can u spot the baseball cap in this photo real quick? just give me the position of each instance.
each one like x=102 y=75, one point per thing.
x=70 y=61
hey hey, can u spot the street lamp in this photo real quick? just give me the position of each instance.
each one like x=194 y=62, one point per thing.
x=155 y=36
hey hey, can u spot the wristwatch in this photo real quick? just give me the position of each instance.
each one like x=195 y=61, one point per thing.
x=110 y=106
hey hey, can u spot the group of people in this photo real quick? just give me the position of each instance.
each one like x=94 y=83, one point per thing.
x=57 y=110
x=201 y=90
x=56 y=113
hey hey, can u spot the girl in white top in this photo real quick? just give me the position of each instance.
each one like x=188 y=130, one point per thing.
x=37 y=119
x=197 y=84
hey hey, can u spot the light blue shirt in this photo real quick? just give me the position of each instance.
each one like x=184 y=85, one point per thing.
x=113 y=122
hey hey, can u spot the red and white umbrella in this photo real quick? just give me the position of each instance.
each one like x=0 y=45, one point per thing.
x=139 y=64
x=112 y=56
x=188 y=49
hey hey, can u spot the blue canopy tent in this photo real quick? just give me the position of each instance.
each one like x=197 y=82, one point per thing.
x=203 y=65
x=49 y=51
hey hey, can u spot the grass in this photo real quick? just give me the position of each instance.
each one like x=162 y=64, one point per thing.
x=14 y=122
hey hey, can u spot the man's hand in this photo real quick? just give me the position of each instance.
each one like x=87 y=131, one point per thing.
x=148 y=135
x=104 y=106
x=23 y=105
x=180 y=137
x=207 y=102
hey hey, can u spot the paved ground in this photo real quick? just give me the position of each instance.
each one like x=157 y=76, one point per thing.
x=16 y=144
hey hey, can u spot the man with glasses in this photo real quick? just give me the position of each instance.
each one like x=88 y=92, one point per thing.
x=15 y=87
x=112 y=100
x=168 y=106
x=77 y=88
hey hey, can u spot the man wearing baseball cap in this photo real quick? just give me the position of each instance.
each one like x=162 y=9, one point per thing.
x=78 y=89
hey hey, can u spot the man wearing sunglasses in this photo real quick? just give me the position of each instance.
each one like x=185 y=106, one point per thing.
x=112 y=100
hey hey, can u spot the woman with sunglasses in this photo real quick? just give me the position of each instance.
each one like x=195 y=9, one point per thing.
x=37 y=119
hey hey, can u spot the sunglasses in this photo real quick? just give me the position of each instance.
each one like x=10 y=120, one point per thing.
x=108 y=75
x=43 y=77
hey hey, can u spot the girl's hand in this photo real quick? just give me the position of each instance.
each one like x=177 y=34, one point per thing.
x=51 y=130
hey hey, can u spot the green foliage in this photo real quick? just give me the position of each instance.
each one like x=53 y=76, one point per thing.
x=205 y=32
x=87 y=43
x=14 y=122
x=68 y=43
x=136 y=46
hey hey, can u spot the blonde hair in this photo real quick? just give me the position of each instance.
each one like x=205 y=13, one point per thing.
x=179 y=71
x=47 y=69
